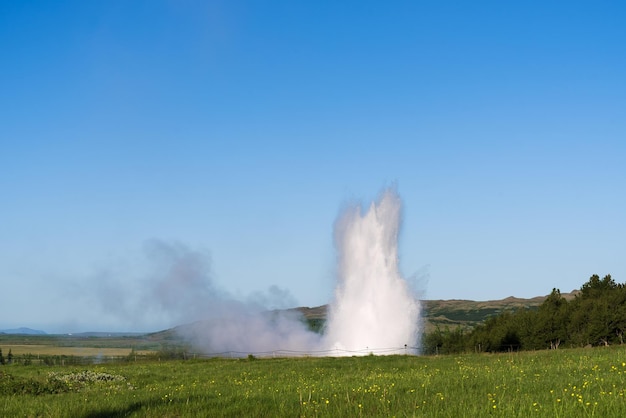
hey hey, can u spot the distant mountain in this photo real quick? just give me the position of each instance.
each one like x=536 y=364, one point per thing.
x=22 y=331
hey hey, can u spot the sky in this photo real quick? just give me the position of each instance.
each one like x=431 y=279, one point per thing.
x=136 y=134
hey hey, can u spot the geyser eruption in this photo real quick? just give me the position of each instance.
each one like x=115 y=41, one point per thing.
x=374 y=310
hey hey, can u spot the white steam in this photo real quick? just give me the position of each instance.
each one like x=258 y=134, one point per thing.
x=374 y=310
x=242 y=331
x=178 y=290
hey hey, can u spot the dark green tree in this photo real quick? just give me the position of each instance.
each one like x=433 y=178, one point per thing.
x=597 y=287
x=597 y=314
x=498 y=333
x=618 y=306
x=444 y=341
x=550 y=326
x=432 y=341
x=528 y=334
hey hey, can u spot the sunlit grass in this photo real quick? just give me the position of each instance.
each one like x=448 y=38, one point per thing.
x=560 y=383
x=54 y=350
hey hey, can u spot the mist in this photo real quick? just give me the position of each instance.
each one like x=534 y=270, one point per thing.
x=172 y=286
x=373 y=309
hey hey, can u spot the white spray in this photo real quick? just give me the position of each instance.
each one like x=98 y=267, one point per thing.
x=374 y=311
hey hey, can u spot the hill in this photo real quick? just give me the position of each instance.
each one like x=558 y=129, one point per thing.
x=454 y=312
x=442 y=313
x=22 y=331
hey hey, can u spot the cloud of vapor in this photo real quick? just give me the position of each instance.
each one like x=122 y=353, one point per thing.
x=274 y=298
x=167 y=283
x=175 y=288
x=374 y=309
x=240 y=331
x=178 y=284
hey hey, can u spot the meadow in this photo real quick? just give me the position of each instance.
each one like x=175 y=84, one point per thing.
x=557 y=383
x=51 y=350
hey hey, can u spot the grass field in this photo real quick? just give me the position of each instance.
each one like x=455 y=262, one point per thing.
x=561 y=383
x=52 y=350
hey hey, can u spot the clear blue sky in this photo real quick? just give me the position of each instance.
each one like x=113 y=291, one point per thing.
x=240 y=129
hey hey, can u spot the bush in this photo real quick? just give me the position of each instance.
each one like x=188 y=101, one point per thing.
x=10 y=385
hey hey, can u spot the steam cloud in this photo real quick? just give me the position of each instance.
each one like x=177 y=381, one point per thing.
x=178 y=288
x=374 y=310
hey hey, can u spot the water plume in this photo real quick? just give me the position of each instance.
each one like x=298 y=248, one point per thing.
x=374 y=310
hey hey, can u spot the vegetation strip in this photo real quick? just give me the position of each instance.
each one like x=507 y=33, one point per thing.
x=595 y=316
x=566 y=382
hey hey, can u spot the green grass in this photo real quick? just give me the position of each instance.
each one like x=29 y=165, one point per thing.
x=561 y=383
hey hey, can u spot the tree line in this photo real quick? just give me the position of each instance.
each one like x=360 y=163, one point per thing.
x=596 y=316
